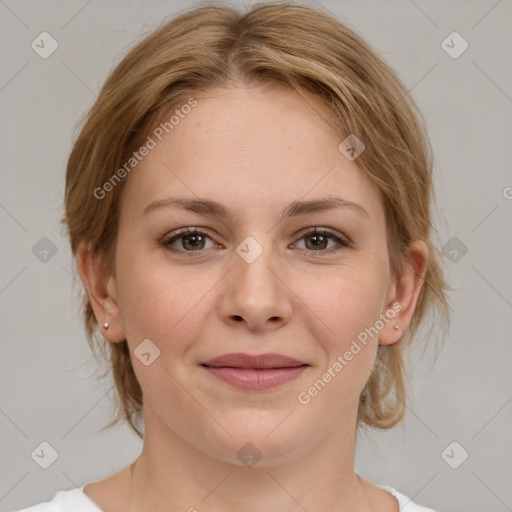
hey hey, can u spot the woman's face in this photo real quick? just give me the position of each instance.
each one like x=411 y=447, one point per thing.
x=255 y=280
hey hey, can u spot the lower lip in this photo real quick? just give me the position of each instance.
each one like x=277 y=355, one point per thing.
x=252 y=379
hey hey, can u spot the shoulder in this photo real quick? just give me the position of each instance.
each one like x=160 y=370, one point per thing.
x=405 y=503
x=77 y=501
x=65 y=501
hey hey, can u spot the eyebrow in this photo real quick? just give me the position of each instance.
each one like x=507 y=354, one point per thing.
x=212 y=208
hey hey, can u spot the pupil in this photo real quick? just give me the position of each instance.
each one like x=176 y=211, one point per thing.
x=186 y=241
x=319 y=238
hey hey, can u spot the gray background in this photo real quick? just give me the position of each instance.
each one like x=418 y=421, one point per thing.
x=48 y=392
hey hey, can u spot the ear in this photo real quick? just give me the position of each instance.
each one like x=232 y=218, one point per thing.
x=101 y=289
x=403 y=294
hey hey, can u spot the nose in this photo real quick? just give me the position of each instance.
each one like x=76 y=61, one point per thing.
x=255 y=292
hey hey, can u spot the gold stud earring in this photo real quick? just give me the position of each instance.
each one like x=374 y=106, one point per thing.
x=396 y=327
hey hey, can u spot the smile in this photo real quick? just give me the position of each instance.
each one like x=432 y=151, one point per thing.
x=254 y=372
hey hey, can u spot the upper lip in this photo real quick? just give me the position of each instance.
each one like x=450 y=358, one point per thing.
x=240 y=360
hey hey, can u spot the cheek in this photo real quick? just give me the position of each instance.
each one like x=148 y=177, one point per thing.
x=162 y=305
x=344 y=310
x=347 y=301
x=162 y=302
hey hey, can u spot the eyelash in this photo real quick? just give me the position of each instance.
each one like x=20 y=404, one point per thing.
x=343 y=242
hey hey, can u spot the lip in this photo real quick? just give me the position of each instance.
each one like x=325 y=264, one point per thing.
x=247 y=361
x=258 y=372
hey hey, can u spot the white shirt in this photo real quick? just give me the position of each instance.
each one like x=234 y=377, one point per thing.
x=76 y=501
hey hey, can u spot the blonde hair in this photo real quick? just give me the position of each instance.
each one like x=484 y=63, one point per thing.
x=287 y=44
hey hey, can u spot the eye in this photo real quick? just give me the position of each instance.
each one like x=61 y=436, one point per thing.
x=187 y=240
x=193 y=240
x=317 y=240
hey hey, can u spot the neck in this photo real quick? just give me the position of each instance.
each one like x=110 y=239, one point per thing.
x=172 y=474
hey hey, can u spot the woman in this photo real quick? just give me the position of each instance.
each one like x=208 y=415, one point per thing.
x=248 y=202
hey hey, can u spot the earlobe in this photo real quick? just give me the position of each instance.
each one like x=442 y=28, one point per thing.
x=100 y=288
x=406 y=292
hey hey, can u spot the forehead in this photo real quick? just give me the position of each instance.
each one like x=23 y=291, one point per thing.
x=249 y=146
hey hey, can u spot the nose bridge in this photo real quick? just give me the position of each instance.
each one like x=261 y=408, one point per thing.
x=254 y=258
x=254 y=291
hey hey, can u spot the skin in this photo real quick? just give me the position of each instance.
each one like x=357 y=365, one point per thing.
x=254 y=150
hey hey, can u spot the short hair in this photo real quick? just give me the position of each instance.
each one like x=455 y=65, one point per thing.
x=294 y=46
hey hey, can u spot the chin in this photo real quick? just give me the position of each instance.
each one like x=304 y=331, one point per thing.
x=259 y=442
